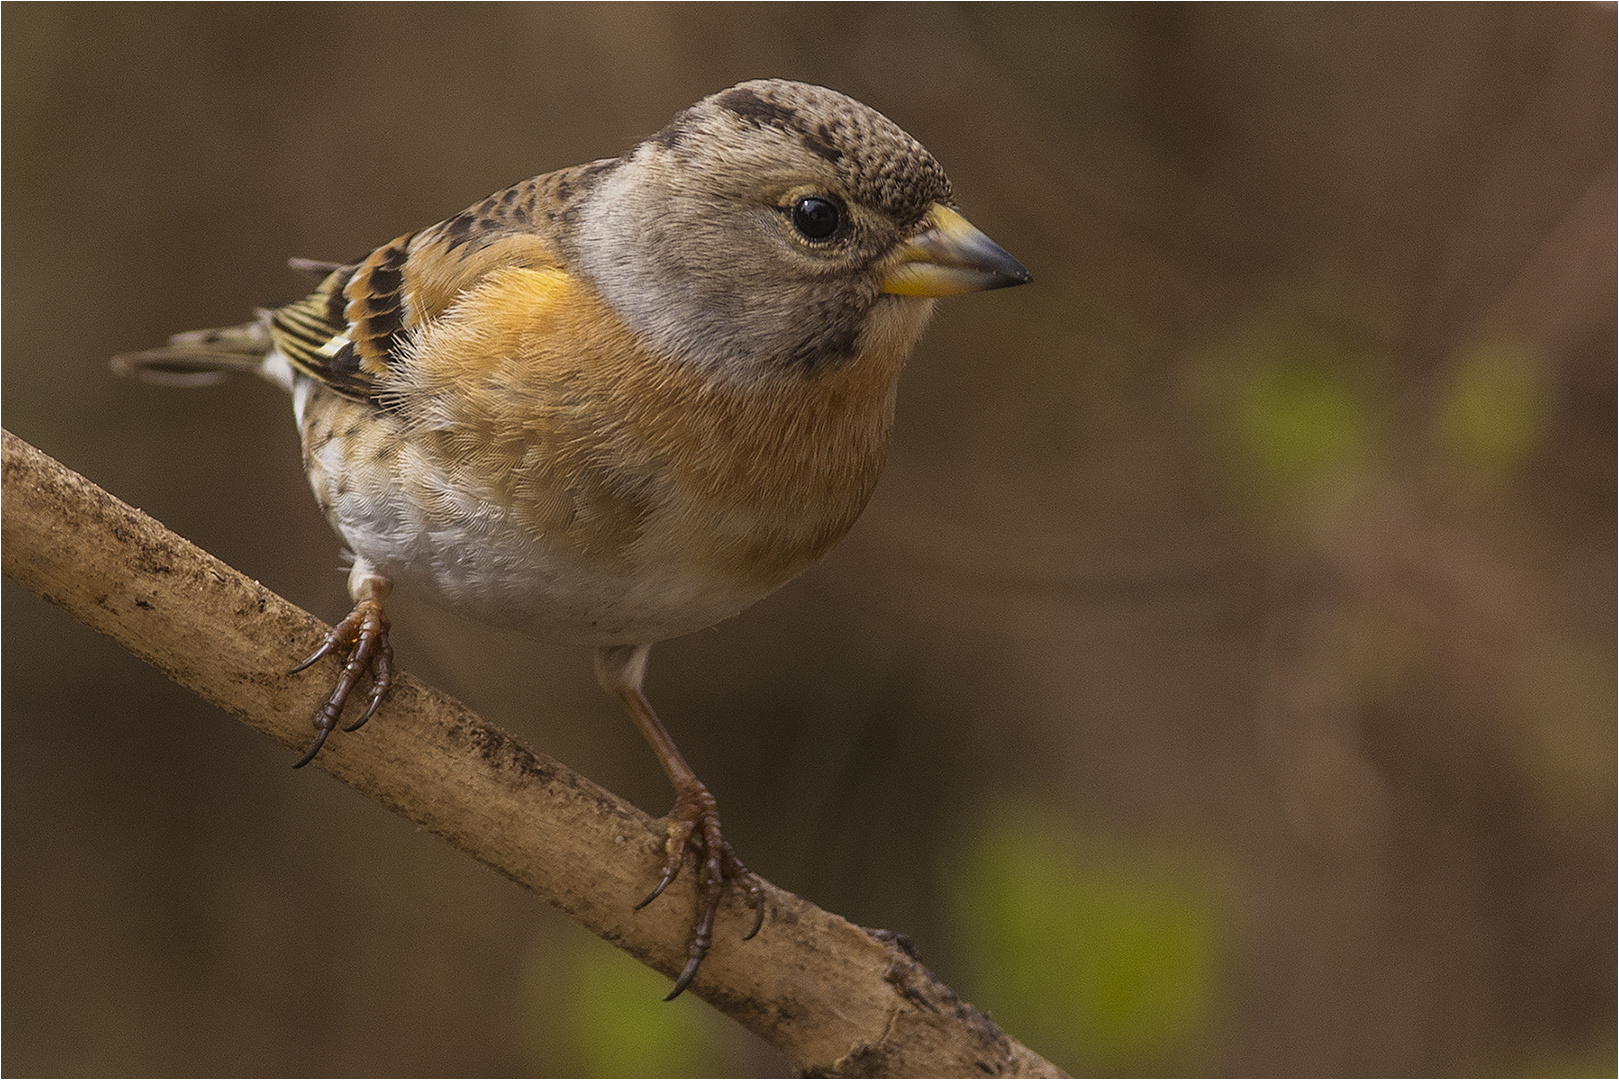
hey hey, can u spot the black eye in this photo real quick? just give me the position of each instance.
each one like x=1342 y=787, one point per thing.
x=816 y=218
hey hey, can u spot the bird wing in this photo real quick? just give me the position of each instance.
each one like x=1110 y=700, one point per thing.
x=357 y=325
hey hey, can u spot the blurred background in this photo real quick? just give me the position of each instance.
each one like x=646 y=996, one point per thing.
x=1222 y=679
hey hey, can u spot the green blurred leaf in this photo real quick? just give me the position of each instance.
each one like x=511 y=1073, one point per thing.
x=1288 y=406
x=1297 y=417
x=595 y=1011
x=621 y=1025
x=1098 y=959
x=1494 y=411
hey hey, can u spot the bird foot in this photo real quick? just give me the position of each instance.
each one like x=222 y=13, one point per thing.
x=694 y=824
x=363 y=637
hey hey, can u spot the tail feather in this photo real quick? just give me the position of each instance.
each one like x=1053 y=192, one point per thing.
x=200 y=357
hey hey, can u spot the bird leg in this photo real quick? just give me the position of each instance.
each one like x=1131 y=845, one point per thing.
x=693 y=823
x=363 y=637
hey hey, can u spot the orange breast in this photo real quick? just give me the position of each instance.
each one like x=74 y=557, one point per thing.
x=530 y=393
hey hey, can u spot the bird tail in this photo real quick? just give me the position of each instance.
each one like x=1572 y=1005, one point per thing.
x=201 y=357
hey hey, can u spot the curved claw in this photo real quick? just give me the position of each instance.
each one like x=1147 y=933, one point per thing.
x=669 y=874
x=374 y=701
x=314 y=747
x=686 y=976
x=382 y=680
x=326 y=646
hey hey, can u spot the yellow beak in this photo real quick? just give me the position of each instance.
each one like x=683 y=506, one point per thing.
x=948 y=256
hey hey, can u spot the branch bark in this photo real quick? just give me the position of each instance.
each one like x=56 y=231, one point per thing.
x=837 y=999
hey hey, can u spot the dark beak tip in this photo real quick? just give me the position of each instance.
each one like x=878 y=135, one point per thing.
x=1004 y=270
x=1005 y=277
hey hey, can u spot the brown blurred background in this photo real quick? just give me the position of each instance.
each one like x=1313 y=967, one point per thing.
x=1222 y=679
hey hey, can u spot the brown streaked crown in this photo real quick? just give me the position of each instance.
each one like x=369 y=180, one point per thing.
x=879 y=162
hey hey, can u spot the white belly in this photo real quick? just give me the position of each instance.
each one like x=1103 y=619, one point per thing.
x=417 y=527
x=497 y=573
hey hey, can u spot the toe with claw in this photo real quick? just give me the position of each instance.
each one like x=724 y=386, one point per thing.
x=694 y=824
x=362 y=638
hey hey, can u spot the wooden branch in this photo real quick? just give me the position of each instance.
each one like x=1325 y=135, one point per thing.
x=835 y=998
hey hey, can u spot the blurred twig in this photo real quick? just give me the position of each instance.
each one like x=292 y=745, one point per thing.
x=836 y=999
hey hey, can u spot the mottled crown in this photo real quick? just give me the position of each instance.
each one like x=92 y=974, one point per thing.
x=880 y=162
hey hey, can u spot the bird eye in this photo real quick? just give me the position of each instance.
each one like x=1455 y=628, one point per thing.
x=816 y=218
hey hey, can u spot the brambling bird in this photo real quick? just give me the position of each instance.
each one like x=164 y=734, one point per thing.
x=622 y=401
